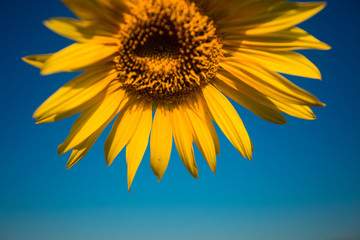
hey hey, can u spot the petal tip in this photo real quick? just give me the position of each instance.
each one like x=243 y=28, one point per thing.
x=158 y=174
x=46 y=23
x=322 y=104
x=108 y=161
x=61 y=149
x=44 y=71
x=326 y=46
x=25 y=59
x=68 y=165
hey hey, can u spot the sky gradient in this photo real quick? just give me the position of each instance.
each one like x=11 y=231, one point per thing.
x=303 y=182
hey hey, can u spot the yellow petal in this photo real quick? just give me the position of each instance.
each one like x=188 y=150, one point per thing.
x=79 y=31
x=122 y=130
x=92 y=10
x=280 y=61
x=75 y=96
x=270 y=83
x=183 y=138
x=224 y=12
x=93 y=118
x=209 y=124
x=288 y=39
x=138 y=143
x=228 y=120
x=201 y=134
x=77 y=57
x=83 y=148
x=280 y=16
x=115 y=6
x=295 y=110
x=248 y=97
x=160 y=141
x=37 y=60
x=84 y=9
x=106 y=14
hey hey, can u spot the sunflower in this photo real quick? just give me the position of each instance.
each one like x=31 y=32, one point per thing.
x=178 y=59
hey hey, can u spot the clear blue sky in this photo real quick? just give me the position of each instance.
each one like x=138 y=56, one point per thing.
x=303 y=183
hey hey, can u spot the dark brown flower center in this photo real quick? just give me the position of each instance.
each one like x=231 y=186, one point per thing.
x=167 y=50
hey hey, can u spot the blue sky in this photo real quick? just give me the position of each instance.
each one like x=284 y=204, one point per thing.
x=303 y=183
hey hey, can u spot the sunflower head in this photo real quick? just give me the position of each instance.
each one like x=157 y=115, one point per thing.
x=178 y=58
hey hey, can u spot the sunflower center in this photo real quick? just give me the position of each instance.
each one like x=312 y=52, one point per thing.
x=168 y=50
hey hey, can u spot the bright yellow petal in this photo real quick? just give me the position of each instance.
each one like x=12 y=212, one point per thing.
x=83 y=148
x=77 y=57
x=160 y=141
x=201 y=134
x=138 y=143
x=122 y=130
x=79 y=31
x=209 y=123
x=224 y=12
x=93 y=118
x=183 y=138
x=228 y=120
x=285 y=40
x=280 y=61
x=37 y=60
x=97 y=11
x=280 y=16
x=75 y=96
x=270 y=83
x=248 y=97
x=116 y=6
x=295 y=110
x=84 y=9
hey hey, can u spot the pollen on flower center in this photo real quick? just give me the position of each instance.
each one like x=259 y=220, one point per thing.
x=167 y=50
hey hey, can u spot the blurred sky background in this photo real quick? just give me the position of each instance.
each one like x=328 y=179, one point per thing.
x=304 y=181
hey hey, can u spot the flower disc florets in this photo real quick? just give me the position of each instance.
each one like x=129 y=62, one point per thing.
x=167 y=50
